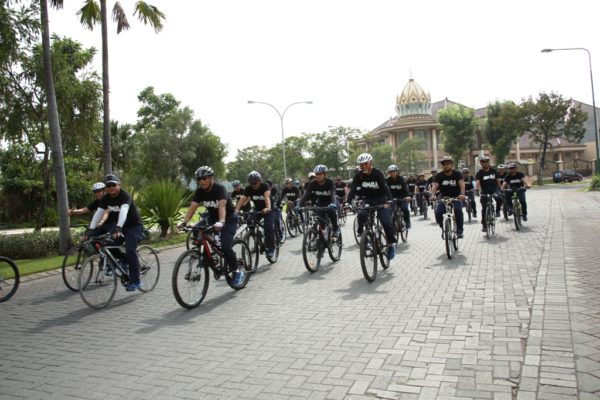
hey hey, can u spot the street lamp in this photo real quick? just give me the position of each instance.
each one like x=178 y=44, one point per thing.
x=593 y=99
x=281 y=115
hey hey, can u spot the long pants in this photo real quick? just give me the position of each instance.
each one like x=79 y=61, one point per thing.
x=484 y=203
x=440 y=210
x=385 y=217
x=471 y=199
x=269 y=229
x=405 y=210
x=522 y=200
x=132 y=235
x=331 y=214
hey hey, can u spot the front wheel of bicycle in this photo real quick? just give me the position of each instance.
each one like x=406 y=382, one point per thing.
x=190 y=279
x=343 y=215
x=517 y=214
x=368 y=255
x=311 y=250
x=97 y=282
x=382 y=244
x=9 y=278
x=149 y=267
x=291 y=223
x=244 y=263
x=189 y=240
x=355 y=230
x=280 y=229
x=335 y=247
x=250 y=239
x=448 y=236
x=71 y=267
x=425 y=208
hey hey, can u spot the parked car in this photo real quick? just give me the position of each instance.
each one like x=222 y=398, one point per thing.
x=568 y=175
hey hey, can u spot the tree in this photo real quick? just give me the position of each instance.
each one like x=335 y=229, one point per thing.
x=160 y=203
x=458 y=129
x=408 y=155
x=253 y=158
x=382 y=156
x=551 y=116
x=91 y=13
x=502 y=127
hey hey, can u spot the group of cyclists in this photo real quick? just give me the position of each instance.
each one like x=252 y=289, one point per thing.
x=115 y=212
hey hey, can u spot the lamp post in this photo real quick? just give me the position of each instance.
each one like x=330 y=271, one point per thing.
x=593 y=98
x=281 y=115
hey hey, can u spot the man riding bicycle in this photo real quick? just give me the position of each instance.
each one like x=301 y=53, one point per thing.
x=469 y=179
x=514 y=181
x=371 y=186
x=450 y=183
x=421 y=192
x=399 y=190
x=487 y=182
x=213 y=196
x=321 y=192
x=98 y=190
x=237 y=193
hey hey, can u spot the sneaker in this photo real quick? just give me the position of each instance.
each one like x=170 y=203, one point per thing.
x=391 y=252
x=407 y=224
x=238 y=277
x=133 y=286
x=483 y=228
x=524 y=217
x=459 y=235
x=270 y=253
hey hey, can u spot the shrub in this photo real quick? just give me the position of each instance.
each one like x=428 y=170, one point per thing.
x=29 y=245
x=595 y=183
x=160 y=203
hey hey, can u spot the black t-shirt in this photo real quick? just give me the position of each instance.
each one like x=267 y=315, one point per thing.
x=290 y=194
x=237 y=195
x=501 y=176
x=257 y=195
x=487 y=180
x=340 y=189
x=469 y=182
x=516 y=181
x=372 y=186
x=274 y=196
x=93 y=206
x=421 y=185
x=398 y=187
x=320 y=195
x=448 y=184
x=430 y=180
x=412 y=183
x=113 y=204
x=210 y=200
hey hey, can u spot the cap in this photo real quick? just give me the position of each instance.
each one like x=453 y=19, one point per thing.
x=112 y=178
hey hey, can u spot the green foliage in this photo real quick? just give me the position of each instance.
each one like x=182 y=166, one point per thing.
x=160 y=204
x=458 y=130
x=408 y=155
x=595 y=183
x=382 y=156
x=29 y=245
x=503 y=126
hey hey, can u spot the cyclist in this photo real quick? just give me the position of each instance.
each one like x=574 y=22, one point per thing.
x=450 y=183
x=274 y=201
x=341 y=190
x=260 y=195
x=469 y=179
x=311 y=177
x=220 y=214
x=399 y=190
x=237 y=194
x=289 y=196
x=371 y=186
x=321 y=192
x=513 y=181
x=421 y=190
x=411 y=181
x=123 y=222
x=430 y=184
x=98 y=190
x=502 y=172
x=487 y=182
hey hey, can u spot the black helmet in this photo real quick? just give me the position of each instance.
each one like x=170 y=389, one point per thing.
x=204 y=171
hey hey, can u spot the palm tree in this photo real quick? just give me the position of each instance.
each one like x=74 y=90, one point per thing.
x=91 y=13
x=54 y=126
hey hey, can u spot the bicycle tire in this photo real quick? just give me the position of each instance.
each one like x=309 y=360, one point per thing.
x=343 y=215
x=504 y=210
x=469 y=212
x=188 y=286
x=355 y=230
x=70 y=272
x=149 y=267
x=253 y=245
x=311 y=250
x=99 y=290
x=368 y=255
x=413 y=205
x=517 y=214
x=448 y=238
x=335 y=247
x=9 y=278
x=280 y=228
x=425 y=208
x=382 y=245
x=189 y=240
x=277 y=244
x=489 y=221
x=243 y=258
x=291 y=224
x=454 y=238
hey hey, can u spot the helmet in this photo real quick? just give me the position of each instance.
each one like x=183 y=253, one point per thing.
x=465 y=170
x=254 y=176
x=288 y=180
x=320 y=169
x=421 y=175
x=357 y=169
x=433 y=171
x=204 y=171
x=512 y=165
x=502 y=166
x=484 y=158
x=392 y=167
x=296 y=182
x=235 y=182
x=445 y=158
x=363 y=158
x=311 y=175
x=97 y=186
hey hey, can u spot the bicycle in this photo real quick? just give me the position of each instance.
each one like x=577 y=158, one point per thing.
x=414 y=206
x=100 y=272
x=398 y=221
x=9 y=278
x=292 y=221
x=191 y=271
x=279 y=227
x=449 y=232
x=423 y=204
x=468 y=206
x=255 y=239
x=490 y=215
x=373 y=244
x=319 y=237
x=517 y=211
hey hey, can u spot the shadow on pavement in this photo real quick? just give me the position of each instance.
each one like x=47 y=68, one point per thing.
x=360 y=287
x=458 y=260
x=307 y=276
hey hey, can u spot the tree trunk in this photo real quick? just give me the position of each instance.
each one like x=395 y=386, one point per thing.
x=41 y=216
x=106 y=140
x=543 y=161
x=56 y=142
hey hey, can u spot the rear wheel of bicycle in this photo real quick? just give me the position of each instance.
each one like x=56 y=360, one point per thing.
x=382 y=244
x=355 y=230
x=250 y=239
x=190 y=279
x=244 y=261
x=97 y=289
x=280 y=229
x=489 y=222
x=368 y=255
x=311 y=250
x=448 y=234
x=71 y=267
x=455 y=237
x=401 y=231
x=335 y=246
x=149 y=267
x=425 y=208
x=343 y=215
x=9 y=278
x=517 y=214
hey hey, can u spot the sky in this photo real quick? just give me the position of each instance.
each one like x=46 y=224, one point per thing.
x=350 y=58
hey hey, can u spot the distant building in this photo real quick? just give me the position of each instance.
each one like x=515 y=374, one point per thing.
x=416 y=117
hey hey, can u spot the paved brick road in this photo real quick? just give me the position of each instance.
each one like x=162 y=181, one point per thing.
x=515 y=317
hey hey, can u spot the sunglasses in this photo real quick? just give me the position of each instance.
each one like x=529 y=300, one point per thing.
x=97 y=191
x=255 y=183
x=364 y=163
x=111 y=185
x=446 y=162
x=203 y=178
x=484 y=161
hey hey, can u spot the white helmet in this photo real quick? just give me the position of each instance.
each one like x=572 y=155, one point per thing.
x=363 y=158
x=311 y=175
x=97 y=186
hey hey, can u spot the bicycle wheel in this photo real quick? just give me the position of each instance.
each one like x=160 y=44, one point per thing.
x=280 y=228
x=504 y=210
x=368 y=255
x=71 y=266
x=277 y=241
x=250 y=239
x=355 y=230
x=425 y=208
x=382 y=244
x=190 y=279
x=414 y=207
x=244 y=260
x=311 y=250
x=291 y=223
x=9 y=278
x=149 y=267
x=189 y=240
x=489 y=221
x=469 y=212
x=448 y=237
x=517 y=214
x=343 y=215
x=335 y=247
x=455 y=237
x=96 y=288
